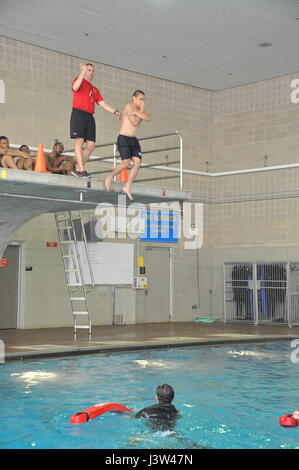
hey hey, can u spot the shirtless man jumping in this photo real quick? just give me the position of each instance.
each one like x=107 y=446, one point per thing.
x=127 y=143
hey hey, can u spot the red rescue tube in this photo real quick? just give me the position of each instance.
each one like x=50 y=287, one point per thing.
x=97 y=410
x=288 y=420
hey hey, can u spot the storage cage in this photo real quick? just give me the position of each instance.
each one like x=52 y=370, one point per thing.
x=261 y=293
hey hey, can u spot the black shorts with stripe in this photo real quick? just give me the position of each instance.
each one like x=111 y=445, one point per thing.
x=128 y=147
x=82 y=125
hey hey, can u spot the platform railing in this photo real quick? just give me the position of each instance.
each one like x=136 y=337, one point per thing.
x=157 y=166
x=162 y=166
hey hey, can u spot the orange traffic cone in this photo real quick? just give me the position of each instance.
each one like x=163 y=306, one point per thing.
x=40 y=162
x=123 y=177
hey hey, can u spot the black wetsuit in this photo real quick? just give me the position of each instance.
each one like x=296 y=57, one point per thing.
x=158 y=411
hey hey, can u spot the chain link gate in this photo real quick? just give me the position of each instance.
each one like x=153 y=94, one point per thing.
x=258 y=293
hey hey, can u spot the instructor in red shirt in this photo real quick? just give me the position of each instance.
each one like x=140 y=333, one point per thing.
x=83 y=128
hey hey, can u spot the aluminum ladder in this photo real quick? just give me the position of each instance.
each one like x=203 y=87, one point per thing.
x=73 y=259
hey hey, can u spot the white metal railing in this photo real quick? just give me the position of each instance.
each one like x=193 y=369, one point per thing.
x=113 y=158
x=180 y=170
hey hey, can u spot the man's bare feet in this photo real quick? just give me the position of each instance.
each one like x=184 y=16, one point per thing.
x=127 y=191
x=107 y=183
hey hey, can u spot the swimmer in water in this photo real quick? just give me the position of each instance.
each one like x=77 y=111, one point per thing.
x=161 y=419
x=161 y=415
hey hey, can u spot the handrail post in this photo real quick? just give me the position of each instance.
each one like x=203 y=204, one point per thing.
x=181 y=158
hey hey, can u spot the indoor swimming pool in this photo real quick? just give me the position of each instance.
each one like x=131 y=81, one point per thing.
x=229 y=397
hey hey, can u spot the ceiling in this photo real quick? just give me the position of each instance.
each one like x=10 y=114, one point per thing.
x=211 y=44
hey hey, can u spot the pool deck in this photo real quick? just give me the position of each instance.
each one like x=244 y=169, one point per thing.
x=56 y=342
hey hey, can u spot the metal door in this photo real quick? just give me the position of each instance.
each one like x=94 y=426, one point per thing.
x=272 y=293
x=238 y=292
x=9 y=286
x=157 y=296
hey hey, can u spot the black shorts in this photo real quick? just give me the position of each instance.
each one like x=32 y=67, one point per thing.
x=82 y=125
x=128 y=147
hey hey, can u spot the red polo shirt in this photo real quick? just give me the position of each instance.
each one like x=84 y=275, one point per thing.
x=86 y=96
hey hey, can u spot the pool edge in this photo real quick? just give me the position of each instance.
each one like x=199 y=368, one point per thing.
x=83 y=351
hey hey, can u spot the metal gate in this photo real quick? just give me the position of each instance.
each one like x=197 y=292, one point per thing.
x=261 y=293
x=238 y=292
x=293 y=294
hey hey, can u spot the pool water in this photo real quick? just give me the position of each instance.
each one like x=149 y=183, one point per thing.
x=229 y=397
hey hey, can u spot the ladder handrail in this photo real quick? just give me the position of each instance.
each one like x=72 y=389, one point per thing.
x=87 y=253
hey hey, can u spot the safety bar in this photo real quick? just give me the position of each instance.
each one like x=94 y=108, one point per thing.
x=146 y=165
x=156 y=178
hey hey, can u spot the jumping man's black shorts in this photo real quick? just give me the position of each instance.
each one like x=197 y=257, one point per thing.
x=128 y=147
x=82 y=125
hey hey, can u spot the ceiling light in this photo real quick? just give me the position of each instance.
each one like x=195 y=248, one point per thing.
x=265 y=44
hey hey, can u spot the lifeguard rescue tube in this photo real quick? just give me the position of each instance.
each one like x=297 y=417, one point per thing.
x=97 y=410
x=288 y=420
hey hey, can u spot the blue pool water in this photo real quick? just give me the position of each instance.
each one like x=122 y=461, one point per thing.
x=229 y=397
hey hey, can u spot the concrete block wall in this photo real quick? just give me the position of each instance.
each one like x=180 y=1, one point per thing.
x=224 y=130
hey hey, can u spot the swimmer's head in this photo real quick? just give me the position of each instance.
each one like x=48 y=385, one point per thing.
x=165 y=393
x=24 y=148
x=138 y=97
x=138 y=92
x=58 y=147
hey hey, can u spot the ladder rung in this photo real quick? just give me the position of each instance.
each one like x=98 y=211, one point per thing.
x=66 y=241
x=68 y=256
x=82 y=326
x=80 y=313
x=76 y=285
x=64 y=228
x=72 y=270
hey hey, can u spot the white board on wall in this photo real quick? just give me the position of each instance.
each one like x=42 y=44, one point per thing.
x=112 y=263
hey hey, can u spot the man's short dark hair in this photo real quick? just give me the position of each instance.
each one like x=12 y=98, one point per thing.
x=165 y=393
x=138 y=92
x=2 y=137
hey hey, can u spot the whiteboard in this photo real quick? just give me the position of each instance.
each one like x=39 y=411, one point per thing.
x=112 y=263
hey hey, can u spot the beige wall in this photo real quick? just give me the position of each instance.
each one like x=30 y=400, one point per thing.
x=222 y=131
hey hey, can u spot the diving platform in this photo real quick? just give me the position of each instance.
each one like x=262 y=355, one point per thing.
x=25 y=195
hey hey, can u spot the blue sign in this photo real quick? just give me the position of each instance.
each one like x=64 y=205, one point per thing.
x=161 y=226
